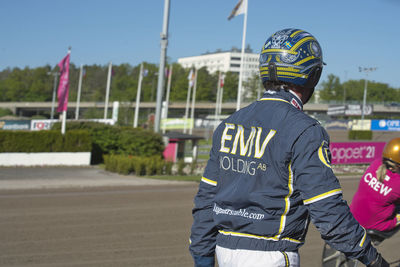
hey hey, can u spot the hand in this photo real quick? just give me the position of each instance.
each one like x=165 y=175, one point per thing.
x=379 y=262
x=398 y=219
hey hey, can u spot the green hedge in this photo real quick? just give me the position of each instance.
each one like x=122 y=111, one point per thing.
x=360 y=135
x=45 y=141
x=137 y=165
x=108 y=139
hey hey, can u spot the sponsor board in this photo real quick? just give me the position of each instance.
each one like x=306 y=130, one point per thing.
x=355 y=152
x=385 y=125
x=177 y=123
x=337 y=125
x=360 y=125
x=15 y=124
x=349 y=110
x=38 y=125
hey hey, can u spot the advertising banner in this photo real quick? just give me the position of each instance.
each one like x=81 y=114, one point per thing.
x=336 y=125
x=38 y=125
x=177 y=123
x=360 y=125
x=15 y=125
x=385 y=125
x=349 y=110
x=356 y=152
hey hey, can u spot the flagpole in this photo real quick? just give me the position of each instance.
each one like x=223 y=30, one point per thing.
x=64 y=113
x=187 y=103
x=53 y=101
x=160 y=84
x=220 y=101
x=78 y=98
x=168 y=92
x=107 y=90
x=217 y=100
x=193 y=102
x=239 y=94
x=221 y=94
x=139 y=90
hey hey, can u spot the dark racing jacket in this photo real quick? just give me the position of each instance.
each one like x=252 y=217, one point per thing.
x=268 y=175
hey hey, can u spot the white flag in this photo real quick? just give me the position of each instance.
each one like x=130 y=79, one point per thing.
x=240 y=8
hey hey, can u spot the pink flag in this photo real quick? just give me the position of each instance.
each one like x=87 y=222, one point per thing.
x=63 y=86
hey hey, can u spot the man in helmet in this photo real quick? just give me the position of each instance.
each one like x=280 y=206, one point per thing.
x=376 y=203
x=269 y=172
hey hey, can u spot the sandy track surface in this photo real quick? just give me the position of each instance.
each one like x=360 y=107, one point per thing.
x=104 y=223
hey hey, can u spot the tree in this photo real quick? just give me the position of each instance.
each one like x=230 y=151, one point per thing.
x=332 y=89
x=35 y=84
x=230 y=86
x=253 y=87
x=206 y=85
x=179 y=83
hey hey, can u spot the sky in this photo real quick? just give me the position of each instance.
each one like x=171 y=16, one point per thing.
x=352 y=33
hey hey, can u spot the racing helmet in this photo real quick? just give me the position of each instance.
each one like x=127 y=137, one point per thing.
x=391 y=151
x=291 y=56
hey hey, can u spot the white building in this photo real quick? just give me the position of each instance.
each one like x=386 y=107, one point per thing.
x=224 y=61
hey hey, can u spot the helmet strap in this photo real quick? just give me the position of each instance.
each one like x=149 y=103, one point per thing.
x=273 y=77
x=313 y=77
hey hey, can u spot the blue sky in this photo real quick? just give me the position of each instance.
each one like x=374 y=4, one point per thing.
x=352 y=33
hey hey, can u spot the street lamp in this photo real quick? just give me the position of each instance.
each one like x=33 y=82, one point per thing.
x=366 y=71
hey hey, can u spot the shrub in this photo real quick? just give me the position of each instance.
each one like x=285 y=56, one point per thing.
x=124 y=165
x=181 y=167
x=108 y=139
x=360 y=135
x=168 y=168
x=45 y=141
x=139 y=166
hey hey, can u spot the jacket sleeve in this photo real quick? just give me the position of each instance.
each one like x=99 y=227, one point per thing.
x=322 y=195
x=204 y=232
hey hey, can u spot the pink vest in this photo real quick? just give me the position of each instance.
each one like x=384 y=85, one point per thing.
x=374 y=204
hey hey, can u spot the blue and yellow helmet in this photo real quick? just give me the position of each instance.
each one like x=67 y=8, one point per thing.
x=291 y=56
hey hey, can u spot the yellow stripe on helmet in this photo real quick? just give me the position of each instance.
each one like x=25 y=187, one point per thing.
x=304 y=60
x=298 y=75
x=295 y=33
x=276 y=50
x=302 y=41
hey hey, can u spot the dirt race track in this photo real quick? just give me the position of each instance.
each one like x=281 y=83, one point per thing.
x=140 y=225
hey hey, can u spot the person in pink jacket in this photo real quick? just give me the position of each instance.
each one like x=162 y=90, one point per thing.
x=376 y=203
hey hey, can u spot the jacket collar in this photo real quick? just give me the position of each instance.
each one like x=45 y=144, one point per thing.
x=285 y=96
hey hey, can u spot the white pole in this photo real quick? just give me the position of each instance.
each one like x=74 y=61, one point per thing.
x=364 y=100
x=107 y=90
x=161 y=69
x=78 y=98
x=63 y=122
x=115 y=111
x=168 y=90
x=221 y=94
x=187 y=107
x=217 y=100
x=53 y=101
x=193 y=101
x=366 y=70
x=139 y=90
x=239 y=93
x=167 y=96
